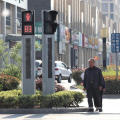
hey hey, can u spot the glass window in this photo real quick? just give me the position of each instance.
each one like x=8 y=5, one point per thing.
x=105 y=7
x=105 y=15
x=65 y=66
x=19 y=17
x=8 y=19
x=111 y=7
x=111 y=16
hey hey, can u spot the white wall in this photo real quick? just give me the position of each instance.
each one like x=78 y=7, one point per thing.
x=20 y=3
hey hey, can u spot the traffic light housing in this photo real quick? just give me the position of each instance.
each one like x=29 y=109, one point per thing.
x=49 y=24
x=28 y=23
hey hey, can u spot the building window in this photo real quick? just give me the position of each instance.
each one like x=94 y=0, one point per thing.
x=105 y=7
x=8 y=19
x=111 y=16
x=111 y=7
x=19 y=17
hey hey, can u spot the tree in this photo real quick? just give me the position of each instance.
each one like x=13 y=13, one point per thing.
x=4 y=54
x=15 y=55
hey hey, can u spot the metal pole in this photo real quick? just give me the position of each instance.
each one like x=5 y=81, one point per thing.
x=116 y=66
x=104 y=54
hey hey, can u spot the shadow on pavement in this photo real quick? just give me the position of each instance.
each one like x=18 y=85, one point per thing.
x=36 y=116
x=14 y=116
x=111 y=96
x=95 y=113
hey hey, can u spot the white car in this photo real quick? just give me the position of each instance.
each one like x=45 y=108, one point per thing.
x=38 y=67
x=62 y=72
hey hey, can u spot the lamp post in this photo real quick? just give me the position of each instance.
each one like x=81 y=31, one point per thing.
x=70 y=30
x=82 y=21
x=5 y=13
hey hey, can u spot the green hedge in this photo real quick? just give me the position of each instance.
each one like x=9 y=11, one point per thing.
x=61 y=99
x=15 y=99
x=112 y=86
x=9 y=99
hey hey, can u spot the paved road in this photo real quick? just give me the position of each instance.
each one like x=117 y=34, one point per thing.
x=111 y=112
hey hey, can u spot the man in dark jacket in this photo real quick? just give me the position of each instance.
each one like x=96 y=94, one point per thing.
x=93 y=84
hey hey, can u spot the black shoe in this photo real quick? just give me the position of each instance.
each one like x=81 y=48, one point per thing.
x=100 y=110
x=91 y=110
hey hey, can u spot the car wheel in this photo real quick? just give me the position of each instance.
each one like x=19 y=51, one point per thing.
x=59 y=79
x=70 y=79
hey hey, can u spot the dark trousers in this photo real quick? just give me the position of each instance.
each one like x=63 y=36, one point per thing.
x=100 y=100
x=93 y=94
x=101 y=94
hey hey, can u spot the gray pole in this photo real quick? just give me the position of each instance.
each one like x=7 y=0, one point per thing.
x=28 y=60
x=48 y=76
x=3 y=20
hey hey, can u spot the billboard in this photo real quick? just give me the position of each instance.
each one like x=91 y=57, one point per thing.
x=62 y=41
x=75 y=38
x=20 y=3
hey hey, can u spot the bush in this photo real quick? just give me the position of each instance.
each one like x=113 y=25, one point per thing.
x=9 y=99
x=61 y=99
x=12 y=70
x=77 y=76
x=57 y=86
x=78 y=98
x=26 y=101
x=15 y=99
x=8 y=82
x=112 y=87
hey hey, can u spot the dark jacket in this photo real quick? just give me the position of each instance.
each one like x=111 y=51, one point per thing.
x=93 y=78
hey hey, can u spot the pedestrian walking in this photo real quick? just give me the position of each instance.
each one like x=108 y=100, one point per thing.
x=94 y=85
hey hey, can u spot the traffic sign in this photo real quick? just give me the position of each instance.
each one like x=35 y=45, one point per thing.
x=115 y=42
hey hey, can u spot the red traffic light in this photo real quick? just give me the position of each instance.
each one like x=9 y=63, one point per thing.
x=28 y=23
x=28 y=17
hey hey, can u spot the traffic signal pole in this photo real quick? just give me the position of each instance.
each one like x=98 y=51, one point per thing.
x=104 y=54
x=48 y=62
x=28 y=53
x=48 y=77
x=117 y=65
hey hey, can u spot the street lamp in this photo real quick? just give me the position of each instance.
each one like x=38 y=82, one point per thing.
x=82 y=21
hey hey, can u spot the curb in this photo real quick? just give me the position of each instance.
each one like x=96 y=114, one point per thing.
x=42 y=111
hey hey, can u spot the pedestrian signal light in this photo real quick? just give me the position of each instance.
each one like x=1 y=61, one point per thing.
x=28 y=23
x=49 y=24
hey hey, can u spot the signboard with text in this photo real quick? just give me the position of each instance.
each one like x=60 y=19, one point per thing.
x=115 y=42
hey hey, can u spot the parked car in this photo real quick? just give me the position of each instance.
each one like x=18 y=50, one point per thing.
x=62 y=72
x=38 y=66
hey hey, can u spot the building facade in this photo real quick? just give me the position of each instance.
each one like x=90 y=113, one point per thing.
x=78 y=36
x=11 y=16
